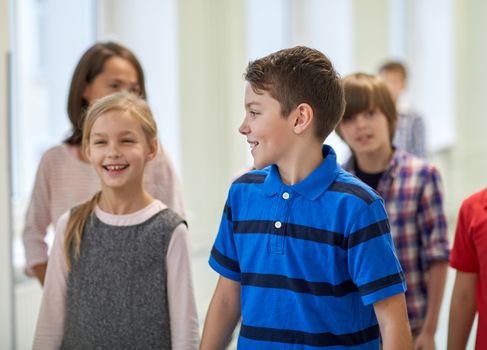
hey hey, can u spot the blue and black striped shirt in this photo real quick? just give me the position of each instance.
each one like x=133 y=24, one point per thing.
x=311 y=258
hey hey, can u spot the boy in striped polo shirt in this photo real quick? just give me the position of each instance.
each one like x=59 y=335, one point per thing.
x=304 y=250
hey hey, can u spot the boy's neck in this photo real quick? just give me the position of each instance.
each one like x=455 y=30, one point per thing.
x=300 y=164
x=120 y=203
x=375 y=162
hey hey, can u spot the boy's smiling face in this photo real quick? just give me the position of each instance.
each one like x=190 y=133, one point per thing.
x=268 y=133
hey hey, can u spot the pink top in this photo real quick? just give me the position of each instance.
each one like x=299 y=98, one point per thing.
x=63 y=181
x=182 y=307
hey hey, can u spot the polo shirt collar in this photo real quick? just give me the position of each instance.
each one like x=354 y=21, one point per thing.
x=314 y=184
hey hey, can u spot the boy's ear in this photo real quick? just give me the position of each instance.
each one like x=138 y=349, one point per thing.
x=153 y=147
x=303 y=118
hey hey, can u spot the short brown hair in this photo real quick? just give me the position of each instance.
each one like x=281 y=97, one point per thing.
x=300 y=75
x=365 y=91
x=394 y=66
x=89 y=66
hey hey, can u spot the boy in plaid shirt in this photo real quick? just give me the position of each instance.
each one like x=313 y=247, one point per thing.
x=411 y=189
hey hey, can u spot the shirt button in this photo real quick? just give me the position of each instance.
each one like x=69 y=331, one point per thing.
x=285 y=195
x=277 y=224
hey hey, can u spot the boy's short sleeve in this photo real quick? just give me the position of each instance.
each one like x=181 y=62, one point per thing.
x=464 y=254
x=223 y=258
x=372 y=260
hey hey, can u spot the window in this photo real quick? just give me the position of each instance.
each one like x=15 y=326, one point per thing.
x=43 y=59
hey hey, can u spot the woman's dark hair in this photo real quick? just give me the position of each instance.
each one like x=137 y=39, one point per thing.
x=89 y=66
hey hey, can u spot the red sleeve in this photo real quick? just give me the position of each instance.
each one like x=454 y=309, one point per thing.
x=463 y=256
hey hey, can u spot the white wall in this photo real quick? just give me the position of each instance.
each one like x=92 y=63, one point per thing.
x=432 y=68
x=149 y=28
x=212 y=52
x=6 y=286
x=328 y=26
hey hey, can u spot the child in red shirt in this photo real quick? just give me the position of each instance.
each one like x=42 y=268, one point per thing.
x=469 y=258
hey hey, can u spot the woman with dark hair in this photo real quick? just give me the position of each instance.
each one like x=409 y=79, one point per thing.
x=64 y=178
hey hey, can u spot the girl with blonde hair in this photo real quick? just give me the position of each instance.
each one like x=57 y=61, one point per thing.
x=119 y=275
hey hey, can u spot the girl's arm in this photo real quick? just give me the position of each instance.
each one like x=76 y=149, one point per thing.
x=182 y=306
x=50 y=323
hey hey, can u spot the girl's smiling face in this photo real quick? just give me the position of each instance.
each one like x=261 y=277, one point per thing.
x=118 y=149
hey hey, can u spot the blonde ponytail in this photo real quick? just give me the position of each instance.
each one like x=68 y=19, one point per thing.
x=74 y=229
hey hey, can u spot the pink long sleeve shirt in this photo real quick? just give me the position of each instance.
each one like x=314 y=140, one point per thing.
x=63 y=181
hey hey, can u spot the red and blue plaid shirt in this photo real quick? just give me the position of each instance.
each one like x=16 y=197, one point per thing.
x=412 y=192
